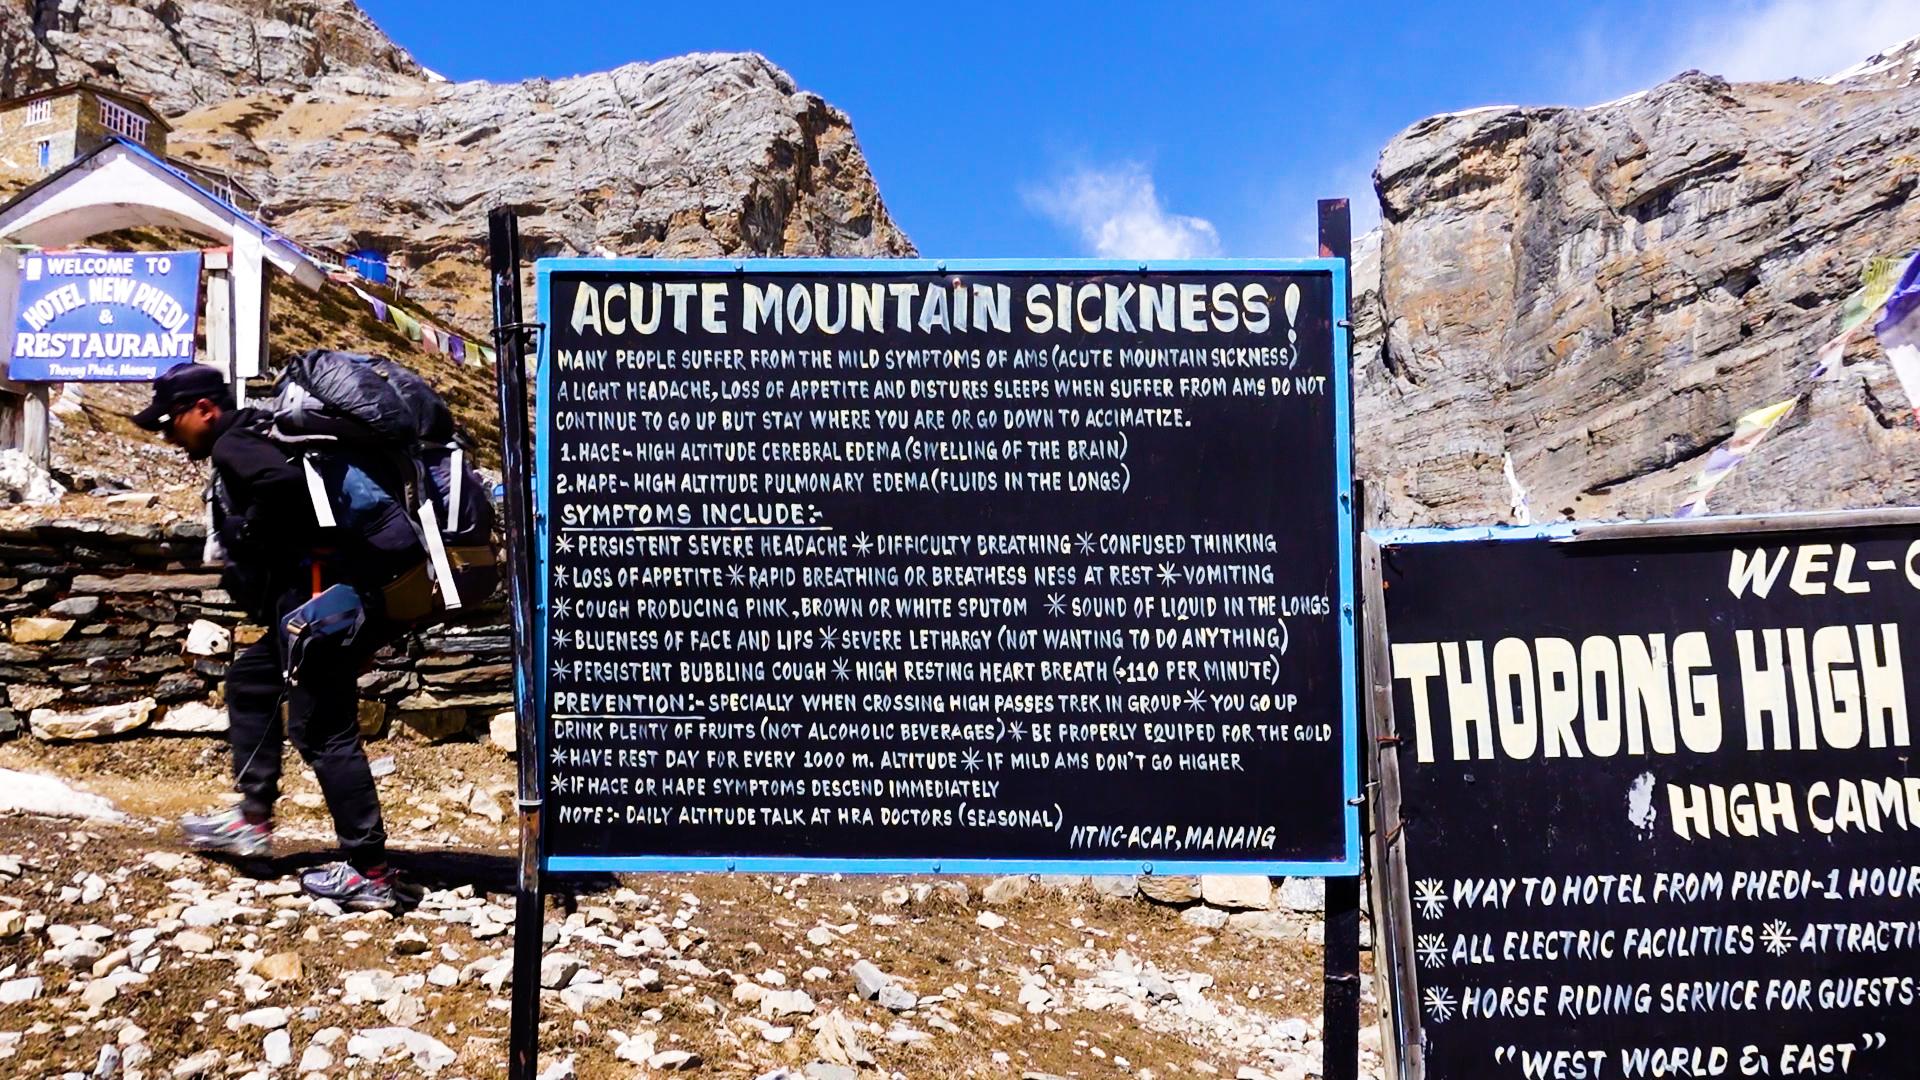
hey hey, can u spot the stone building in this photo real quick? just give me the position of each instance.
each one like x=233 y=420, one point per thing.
x=43 y=131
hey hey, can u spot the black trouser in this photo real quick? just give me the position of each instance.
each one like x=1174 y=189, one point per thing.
x=322 y=717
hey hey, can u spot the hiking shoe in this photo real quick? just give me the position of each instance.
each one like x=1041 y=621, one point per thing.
x=227 y=832
x=351 y=889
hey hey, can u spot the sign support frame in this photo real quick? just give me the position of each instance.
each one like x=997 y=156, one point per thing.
x=510 y=381
x=1340 y=970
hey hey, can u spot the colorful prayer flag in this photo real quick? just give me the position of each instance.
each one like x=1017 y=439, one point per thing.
x=1899 y=331
x=378 y=305
x=1748 y=432
x=457 y=348
x=406 y=323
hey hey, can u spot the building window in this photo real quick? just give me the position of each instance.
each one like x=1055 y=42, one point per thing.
x=43 y=152
x=39 y=112
x=123 y=121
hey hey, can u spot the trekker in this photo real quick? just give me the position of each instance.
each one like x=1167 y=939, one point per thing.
x=276 y=561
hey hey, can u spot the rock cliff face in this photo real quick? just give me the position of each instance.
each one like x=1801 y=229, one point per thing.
x=1601 y=292
x=184 y=55
x=349 y=143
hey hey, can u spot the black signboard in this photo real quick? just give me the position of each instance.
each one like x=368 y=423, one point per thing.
x=1656 y=799
x=902 y=565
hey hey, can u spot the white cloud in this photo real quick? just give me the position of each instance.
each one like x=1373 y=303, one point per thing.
x=1118 y=215
x=1754 y=40
x=1784 y=38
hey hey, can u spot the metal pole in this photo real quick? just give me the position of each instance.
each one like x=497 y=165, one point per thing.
x=510 y=380
x=1340 y=1030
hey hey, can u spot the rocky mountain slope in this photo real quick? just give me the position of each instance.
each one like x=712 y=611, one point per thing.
x=350 y=143
x=1601 y=292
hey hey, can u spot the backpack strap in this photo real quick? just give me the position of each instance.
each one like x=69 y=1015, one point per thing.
x=317 y=493
x=456 y=470
x=437 y=553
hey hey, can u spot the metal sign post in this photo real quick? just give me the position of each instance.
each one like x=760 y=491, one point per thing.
x=510 y=376
x=1341 y=987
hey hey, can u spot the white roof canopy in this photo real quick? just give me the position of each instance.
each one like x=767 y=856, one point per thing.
x=122 y=186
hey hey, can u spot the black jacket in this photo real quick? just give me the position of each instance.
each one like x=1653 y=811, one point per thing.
x=261 y=512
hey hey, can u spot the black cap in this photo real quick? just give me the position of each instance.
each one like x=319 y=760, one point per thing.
x=182 y=384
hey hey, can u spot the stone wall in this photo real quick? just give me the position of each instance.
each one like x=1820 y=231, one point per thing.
x=111 y=628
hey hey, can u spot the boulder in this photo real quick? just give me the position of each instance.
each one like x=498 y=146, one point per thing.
x=373 y=718
x=75 y=607
x=208 y=639
x=434 y=725
x=502 y=733
x=32 y=630
x=193 y=584
x=96 y=723
x=1237 y=892
x=1005 y=890
x=22 y=481
x=29 y=697
x=1303 y=894
x=1170 y=889
x=192 y=718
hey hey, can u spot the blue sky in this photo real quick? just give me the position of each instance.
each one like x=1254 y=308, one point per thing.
x=1136 y=129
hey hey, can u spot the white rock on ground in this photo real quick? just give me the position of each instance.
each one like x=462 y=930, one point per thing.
x=23 y=481
x=429 y=1054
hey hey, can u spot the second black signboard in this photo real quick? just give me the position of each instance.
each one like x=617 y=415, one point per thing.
x=1656 y=804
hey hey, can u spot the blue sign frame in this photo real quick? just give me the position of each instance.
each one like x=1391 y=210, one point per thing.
x=1342 y=495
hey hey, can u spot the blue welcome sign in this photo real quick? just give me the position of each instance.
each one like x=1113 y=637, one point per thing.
x=104 y=316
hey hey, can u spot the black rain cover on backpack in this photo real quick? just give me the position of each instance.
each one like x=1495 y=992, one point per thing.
x=325 y=395
x=335 y=408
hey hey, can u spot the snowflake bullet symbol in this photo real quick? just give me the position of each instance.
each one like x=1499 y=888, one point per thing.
x=970 y=759
x=562 y=637
x=1432 y=949
x=562 y=607
x=1777 y=938
x=1432 y=898
x=559 y=574
x=1196 y=700
x=564 y=545
x=1167 y=576
x=559 y=756
x=1056 y=604
x=861 y=544
x=562 y=669
x=840 y=669
x=735 y=575
x=827 y=636
x=1018 y=730
x=1439 y=1004
x=1085 y=542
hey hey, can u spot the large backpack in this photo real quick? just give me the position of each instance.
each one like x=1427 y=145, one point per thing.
x=378 y=447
